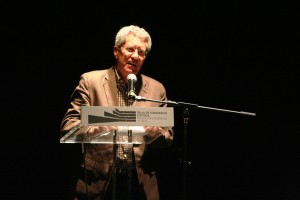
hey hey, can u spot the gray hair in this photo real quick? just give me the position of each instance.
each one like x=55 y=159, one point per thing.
x=136 y=31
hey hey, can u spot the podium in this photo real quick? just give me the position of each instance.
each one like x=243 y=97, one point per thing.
x=128 y=119
x=130 y=122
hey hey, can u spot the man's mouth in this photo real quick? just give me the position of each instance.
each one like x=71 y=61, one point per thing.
x=132 y=65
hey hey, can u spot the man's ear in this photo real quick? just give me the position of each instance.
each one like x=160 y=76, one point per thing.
x=116 y=51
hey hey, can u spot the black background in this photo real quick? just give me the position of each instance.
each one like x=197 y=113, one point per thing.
x=235 y=55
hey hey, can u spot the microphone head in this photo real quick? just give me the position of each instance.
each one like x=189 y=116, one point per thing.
x=131 y=77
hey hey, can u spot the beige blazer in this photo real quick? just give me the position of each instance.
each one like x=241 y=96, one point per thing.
x=98 y=88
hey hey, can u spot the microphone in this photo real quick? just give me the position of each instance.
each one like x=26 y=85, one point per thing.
x=131 y=78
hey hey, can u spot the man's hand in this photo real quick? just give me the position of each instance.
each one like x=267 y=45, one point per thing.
x=153 y=131
x=99 y=129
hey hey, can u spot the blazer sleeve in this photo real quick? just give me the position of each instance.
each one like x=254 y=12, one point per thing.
x=80 y=97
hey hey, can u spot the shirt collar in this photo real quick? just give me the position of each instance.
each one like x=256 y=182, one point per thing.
x=119 y=80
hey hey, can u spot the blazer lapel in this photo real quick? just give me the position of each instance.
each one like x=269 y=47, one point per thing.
x=110 y=88
x=143 y=91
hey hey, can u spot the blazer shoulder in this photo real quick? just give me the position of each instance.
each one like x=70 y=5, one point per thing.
x=95 y=73
x=99 y=74
x=147 y=80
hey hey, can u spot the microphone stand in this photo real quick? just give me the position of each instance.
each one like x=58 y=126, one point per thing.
x=191 y=105
x=188 y=106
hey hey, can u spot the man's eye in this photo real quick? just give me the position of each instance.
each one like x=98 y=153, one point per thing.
x=130 y=49
x=141 y=53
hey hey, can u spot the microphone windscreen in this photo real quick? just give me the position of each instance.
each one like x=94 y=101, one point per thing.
x=131 y=77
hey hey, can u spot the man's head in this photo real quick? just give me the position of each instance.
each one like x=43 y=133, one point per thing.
x=132 y=44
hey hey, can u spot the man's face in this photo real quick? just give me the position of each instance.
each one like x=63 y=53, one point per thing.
x=130 y=57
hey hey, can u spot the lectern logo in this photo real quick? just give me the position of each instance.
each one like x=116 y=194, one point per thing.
x=116 y=116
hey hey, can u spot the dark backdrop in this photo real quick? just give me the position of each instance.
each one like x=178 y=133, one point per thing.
x=234 y=55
